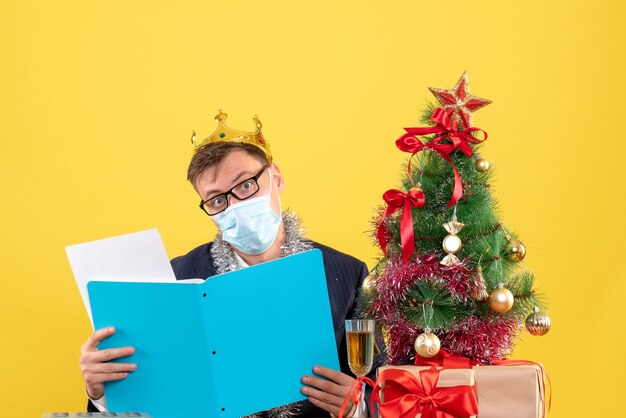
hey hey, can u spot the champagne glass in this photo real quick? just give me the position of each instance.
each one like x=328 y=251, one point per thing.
x=360 y=341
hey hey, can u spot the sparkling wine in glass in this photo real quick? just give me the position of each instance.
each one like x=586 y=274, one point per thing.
x=360 y=341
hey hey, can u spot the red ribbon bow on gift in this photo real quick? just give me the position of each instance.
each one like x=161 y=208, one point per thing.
x=444 y=128
x=445 y=360
x=423 y=396
x=397 y=200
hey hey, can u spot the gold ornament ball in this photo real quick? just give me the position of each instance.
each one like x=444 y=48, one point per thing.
x=538 y=323
x=501 y=299
x=482 y=165
x=516 y=250
x=386 y=335
x=427 y=345
x=416 y=189
x=369 y=283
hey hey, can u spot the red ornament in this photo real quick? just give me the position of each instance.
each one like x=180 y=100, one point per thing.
x=458 y=101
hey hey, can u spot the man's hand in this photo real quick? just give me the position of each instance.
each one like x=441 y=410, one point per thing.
x=328 y=394
x=95 y=365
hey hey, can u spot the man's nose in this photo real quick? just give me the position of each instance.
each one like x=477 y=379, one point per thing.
x=232 y=199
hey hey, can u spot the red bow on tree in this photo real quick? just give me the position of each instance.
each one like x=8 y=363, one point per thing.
x=423 y=396
x=397 y=200
x=444 y=128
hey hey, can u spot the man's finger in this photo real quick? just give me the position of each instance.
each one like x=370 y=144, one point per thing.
x=325 y=397
x=113 y=368
x=111 y=354
x=334 y=375
x=323 y=384
x=97 y=378
x=97 y=337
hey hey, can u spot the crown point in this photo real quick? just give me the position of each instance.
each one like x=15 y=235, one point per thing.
x=221 y=116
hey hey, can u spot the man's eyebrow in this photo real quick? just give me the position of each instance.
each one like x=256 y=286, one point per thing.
x=245 y=174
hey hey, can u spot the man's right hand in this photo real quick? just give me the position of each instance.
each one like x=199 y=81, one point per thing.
x=96 y=365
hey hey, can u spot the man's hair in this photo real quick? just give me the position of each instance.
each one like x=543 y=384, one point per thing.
x=212 y=155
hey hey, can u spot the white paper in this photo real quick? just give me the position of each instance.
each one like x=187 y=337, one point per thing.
x=136 y=257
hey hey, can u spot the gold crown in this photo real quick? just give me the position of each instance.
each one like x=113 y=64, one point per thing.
x=223 y=133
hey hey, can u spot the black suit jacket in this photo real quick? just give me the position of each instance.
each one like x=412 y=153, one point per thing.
x=344 y=276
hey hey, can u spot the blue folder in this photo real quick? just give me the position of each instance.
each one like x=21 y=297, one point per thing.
x=233 y=345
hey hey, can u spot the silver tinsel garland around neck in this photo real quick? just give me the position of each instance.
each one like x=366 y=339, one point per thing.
x=225 y=260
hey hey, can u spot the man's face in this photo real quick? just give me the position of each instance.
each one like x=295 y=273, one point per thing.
x=236 y=167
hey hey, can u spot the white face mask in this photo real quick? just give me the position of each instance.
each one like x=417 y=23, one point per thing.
x=251 y=226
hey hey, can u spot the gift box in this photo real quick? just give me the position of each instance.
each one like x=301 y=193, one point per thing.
x=511 y=391
x=409 y=388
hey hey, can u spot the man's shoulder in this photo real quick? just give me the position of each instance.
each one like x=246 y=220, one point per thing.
x=336 y=257
x=199 y=251
x=197 y=263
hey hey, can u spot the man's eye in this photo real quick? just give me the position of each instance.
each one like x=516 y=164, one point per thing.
x=218 y=201
x=245 y=188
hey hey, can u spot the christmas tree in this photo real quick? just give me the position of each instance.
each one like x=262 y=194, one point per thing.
x=450 y=276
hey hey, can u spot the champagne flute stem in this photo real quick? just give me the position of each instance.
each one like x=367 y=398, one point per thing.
x=361 y=408
x=363 y=401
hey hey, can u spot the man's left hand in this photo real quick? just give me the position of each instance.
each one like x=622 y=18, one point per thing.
x=328 y=394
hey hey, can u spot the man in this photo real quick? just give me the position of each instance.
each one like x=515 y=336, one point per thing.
x=239 y=184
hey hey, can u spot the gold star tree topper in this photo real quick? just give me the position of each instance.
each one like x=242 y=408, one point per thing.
x=459 y=102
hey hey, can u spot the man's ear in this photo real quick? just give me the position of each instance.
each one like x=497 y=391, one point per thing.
x=277 y=178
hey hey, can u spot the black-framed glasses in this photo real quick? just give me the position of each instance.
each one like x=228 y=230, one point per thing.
x=242 y=191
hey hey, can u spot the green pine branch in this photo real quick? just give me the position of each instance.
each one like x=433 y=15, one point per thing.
x=429 y=108
x=521 y=285
x=429 y=304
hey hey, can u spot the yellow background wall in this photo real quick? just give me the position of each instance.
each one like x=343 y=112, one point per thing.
x=98 y=100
